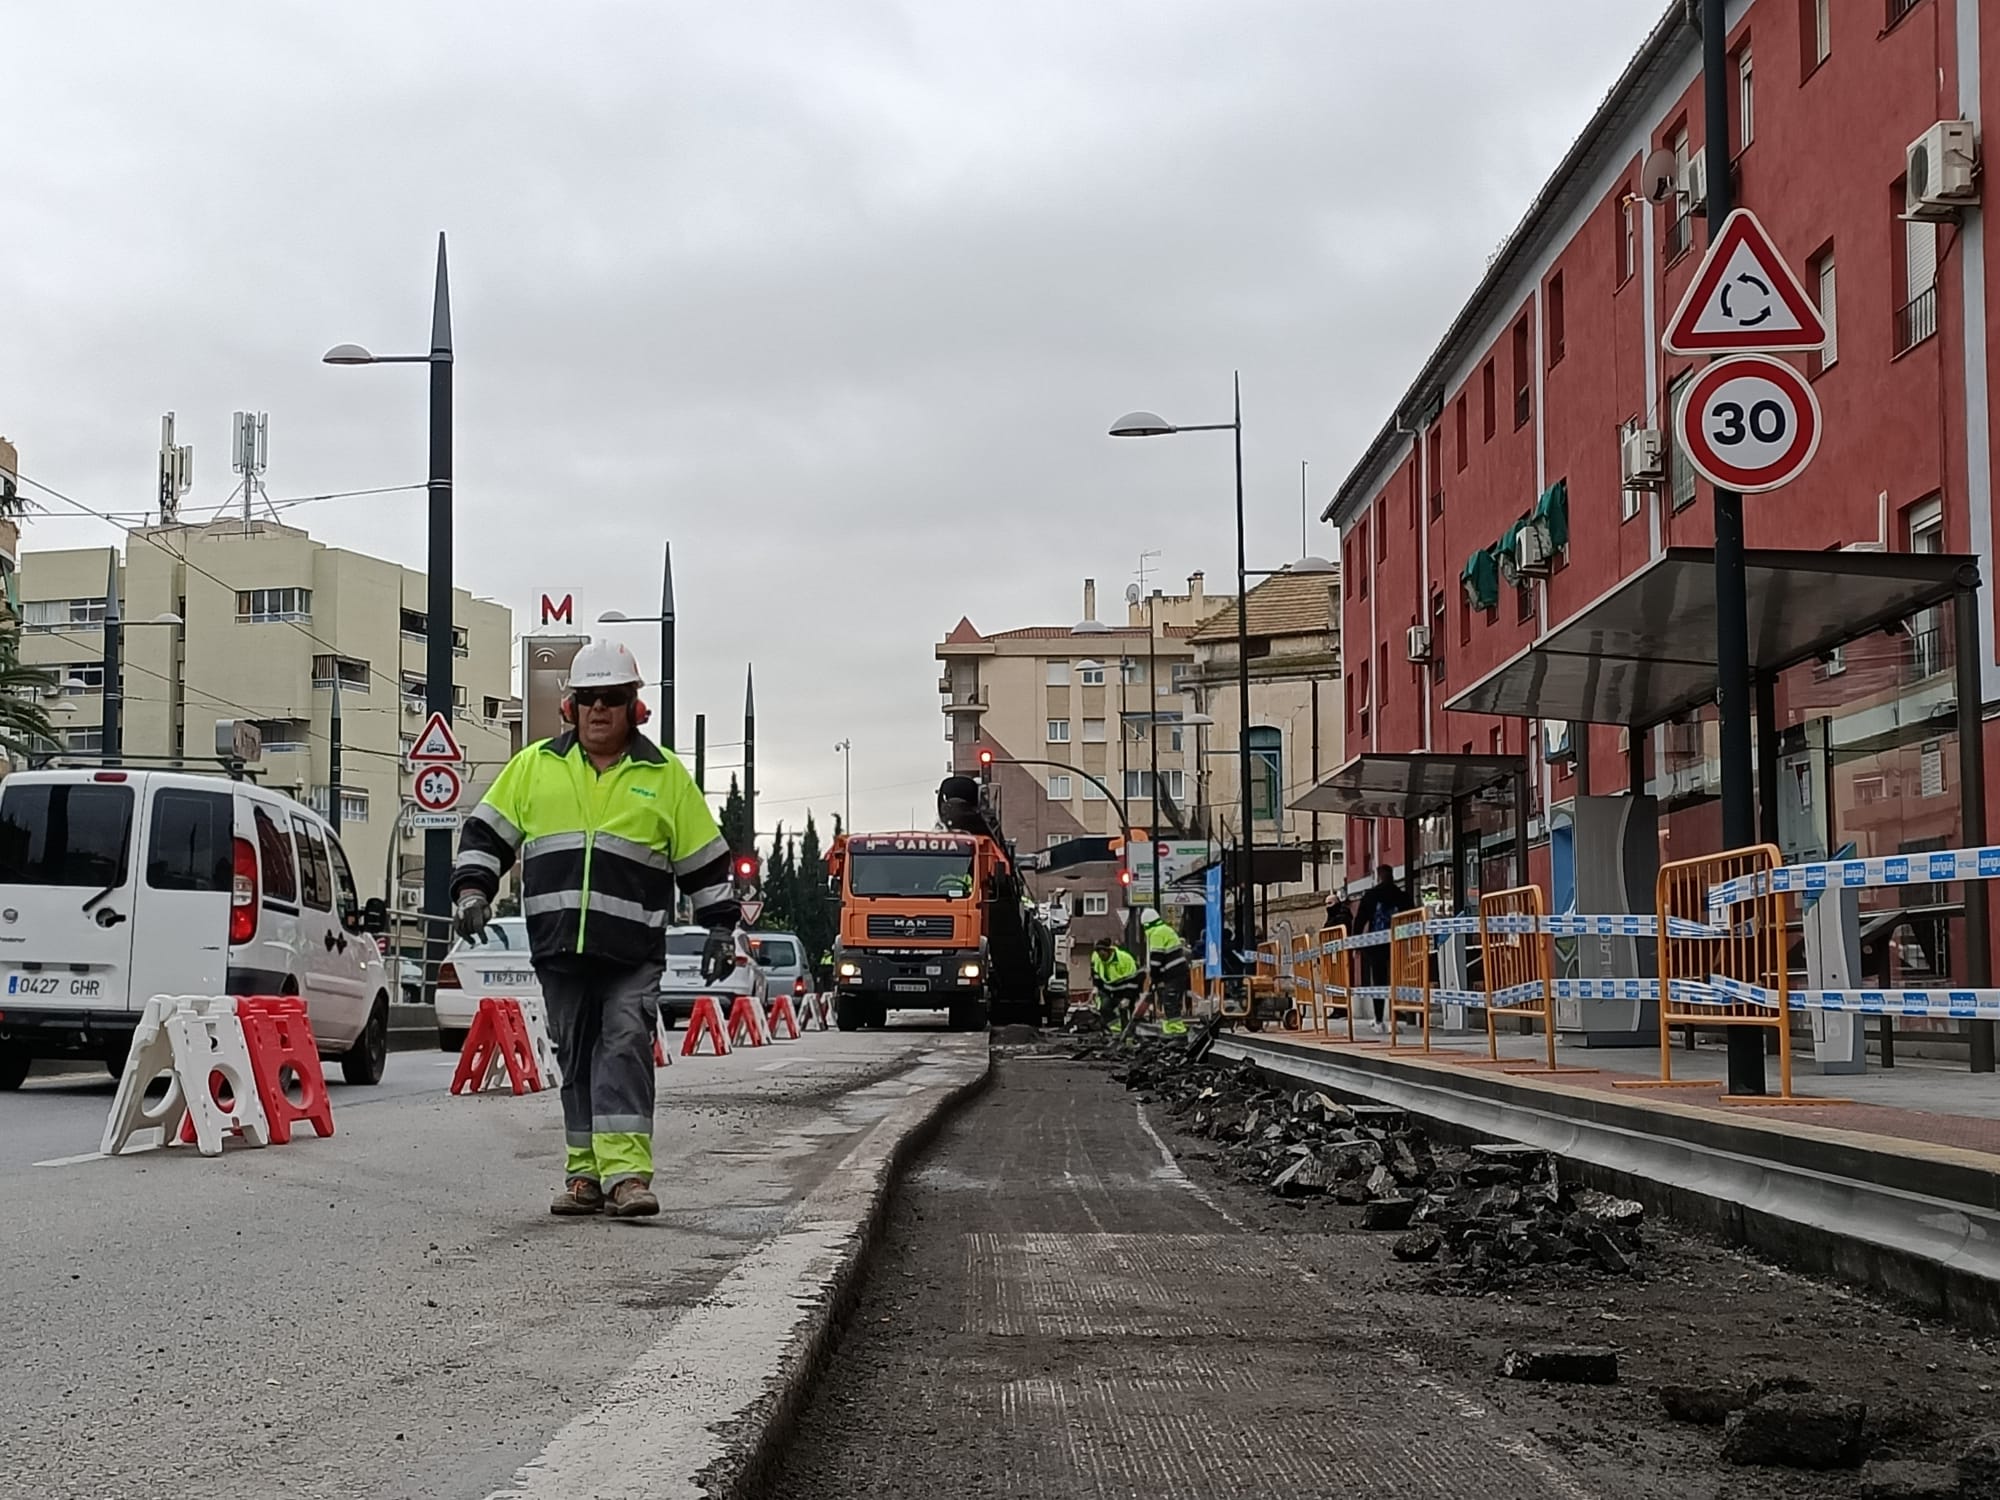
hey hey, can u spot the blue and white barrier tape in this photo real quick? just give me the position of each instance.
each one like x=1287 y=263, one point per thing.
x=1860 y=874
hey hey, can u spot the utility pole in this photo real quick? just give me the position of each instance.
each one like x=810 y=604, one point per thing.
x=750 y=755
x=437 y=654
x=333 y=757
x=1153 y=734
x=846 y=751
x=701 y=752
x=111 y=740
x=667 y=648
x=1732 y=610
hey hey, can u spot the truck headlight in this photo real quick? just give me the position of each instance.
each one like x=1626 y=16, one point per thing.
x=850 y=971
x=968 y=971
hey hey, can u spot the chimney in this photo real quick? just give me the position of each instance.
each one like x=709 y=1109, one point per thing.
x=1194 y=591
x=1090 y=598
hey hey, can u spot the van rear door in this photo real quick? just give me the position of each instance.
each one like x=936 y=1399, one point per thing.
x=66 y=891
x=180 y=932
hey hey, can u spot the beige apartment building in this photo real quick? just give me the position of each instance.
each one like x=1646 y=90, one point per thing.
x=269 y=620
x=1296 y=706
x=1060 y=693
x=10 y=530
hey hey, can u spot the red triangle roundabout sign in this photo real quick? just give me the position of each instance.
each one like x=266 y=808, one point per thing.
x=1744 y=298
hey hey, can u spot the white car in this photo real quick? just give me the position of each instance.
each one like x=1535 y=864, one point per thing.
x=119 y=885
x=493 y=964
x=681 y=983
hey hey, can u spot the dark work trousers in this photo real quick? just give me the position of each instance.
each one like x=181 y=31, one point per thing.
x=1374 y=971
x=604 y=1022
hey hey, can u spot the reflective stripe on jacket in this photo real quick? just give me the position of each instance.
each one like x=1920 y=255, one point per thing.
x=599 y=850
x=1120 y=971
x=1164 y=948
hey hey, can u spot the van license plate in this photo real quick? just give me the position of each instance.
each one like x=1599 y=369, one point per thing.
x=73 y=986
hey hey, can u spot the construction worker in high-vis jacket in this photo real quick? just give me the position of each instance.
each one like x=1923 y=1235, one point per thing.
x=1167 y=962
x=603 y=821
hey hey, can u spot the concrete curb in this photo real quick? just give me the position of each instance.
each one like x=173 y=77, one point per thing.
x=744 y=1473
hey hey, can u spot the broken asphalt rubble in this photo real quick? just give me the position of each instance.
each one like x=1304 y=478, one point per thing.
x=1487 y=1216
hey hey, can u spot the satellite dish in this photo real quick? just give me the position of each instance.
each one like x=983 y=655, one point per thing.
x=1132 y=594
x=1659 y=178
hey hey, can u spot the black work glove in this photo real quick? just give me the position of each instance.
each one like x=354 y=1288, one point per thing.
x=718 y=956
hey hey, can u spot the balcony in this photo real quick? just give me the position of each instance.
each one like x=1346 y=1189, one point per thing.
x=1916 y=320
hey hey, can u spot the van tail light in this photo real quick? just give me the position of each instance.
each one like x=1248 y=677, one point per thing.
x=447 y=976
x=799 y=985
x=243 y=894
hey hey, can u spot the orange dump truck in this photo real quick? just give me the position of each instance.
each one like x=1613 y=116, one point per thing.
x=939 y=920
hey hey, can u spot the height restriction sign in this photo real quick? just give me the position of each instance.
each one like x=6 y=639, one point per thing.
x=1749 y=423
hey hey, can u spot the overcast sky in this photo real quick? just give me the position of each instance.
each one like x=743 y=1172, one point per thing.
x=836 y=295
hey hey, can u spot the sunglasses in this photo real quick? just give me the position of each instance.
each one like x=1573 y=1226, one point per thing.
x=602 y=697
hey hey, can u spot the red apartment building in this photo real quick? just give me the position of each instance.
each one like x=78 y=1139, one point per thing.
x=1557 y=356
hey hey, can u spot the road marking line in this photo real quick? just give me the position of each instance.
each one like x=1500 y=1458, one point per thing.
x=80 y=1158
x=783 y=1062
x=1171 y=1171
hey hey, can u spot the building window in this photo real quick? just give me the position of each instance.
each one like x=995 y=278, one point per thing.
x=492 y=708
x=1554 y=312
x=1364 y=572
x=1524 y=603
x=353 y=804
x=1523 y=408
x=1437 y=635
x=1184 y=674
x=414 y=624
x=1897 y=10
x=1680 y=211
x=1628 y=232
x=1092 y=792
x=1916 y=319
x=1822 y=275
x=1487 y=396
x=1060 y=789
x=1059 y=731
x=78 y=678
x=1139 y=785
x=461 y=643
x=1091 y=676
x=265 y=605
x=1629 y=499
x=1434 y=466
x=1681 y=468
x=1382 y=535
x=1464 y=618
x=1267 y=780
x=1746 y=101
x=62 y=614
x=1362 y=706
x=1815 y=32
x=1093 y=732
x=1058 y=675
x=285 y=734
x=1459 y=433
x=1923 y=531
x=1132 y=672
x=415 y=690
x=1096 y=904
x=352 y=673
x=83 y=740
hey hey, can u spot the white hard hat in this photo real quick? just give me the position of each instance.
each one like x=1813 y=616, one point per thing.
x=603 y=664
x=1149 y=915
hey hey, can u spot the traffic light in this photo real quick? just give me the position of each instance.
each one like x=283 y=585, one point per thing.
x=746 y=867
x=1124 y=877
x=985 y=765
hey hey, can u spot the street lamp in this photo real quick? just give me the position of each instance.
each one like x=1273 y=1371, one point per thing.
x=1149 y=424
x=437 y=655
x=665 y=620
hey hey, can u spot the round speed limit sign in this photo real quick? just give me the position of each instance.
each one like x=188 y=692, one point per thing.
x=1749 y=423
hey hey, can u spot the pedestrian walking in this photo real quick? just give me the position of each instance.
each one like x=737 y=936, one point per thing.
x=1376 y=912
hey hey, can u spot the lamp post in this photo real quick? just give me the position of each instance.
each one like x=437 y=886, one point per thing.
x=665 y=620
x=438 y=633
x=845 y=750
x=1148 y=424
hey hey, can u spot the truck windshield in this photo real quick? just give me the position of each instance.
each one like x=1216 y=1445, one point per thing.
x=65 y=833
x=910 y=874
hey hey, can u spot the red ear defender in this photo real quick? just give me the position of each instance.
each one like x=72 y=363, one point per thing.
x=640 y=713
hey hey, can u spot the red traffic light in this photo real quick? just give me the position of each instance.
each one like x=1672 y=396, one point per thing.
x=986 y=757
x=1124 y=877
x=746 y=868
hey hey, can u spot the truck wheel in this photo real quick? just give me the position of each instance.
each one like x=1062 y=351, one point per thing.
x=847 y=1011
x=14 y=1064
x=966 y=1015
x=878 y=1014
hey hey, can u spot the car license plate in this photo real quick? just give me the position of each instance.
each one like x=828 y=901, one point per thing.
x=907 y=986
x=512 y=979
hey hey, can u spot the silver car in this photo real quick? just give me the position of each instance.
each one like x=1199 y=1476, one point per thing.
x=782 y=959
x=681 y=983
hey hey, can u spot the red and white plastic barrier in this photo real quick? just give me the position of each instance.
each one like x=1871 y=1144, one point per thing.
x=705 y=1021
x=783 y=1014
x=230 y=1064
x=498 y=1049
x=747 y=1026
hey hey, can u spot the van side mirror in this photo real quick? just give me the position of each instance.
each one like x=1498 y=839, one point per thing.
x=374 y=915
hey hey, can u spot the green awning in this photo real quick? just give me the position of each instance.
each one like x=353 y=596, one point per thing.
x=1551 y=513
x=1481 y=578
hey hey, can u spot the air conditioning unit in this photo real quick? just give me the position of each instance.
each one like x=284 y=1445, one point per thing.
x=1694 y=184
x=412 y=707
x=1941 y=170
x=1419 y=643
x=1642 y=459
x=1531 y=550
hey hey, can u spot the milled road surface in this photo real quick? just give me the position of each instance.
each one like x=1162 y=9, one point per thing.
x=391 y=1312
x=1058 y=1311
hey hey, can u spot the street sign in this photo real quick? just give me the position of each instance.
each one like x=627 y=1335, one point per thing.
x=1749 y=423
x=434 y=820
x=1177 y=858
x=437 y=745
x=1743 y=298
x=437 y=789
x=751 y=910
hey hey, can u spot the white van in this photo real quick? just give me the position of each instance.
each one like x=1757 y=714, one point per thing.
x=118 y=885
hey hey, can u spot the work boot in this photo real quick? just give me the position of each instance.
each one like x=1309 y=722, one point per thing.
x=580 y=1196
x=632 y=1199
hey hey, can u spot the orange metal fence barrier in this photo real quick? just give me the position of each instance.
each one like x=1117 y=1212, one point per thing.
x=1306 y=1001
x=1410 y=974
x=1335 y=981
x=1519 y=968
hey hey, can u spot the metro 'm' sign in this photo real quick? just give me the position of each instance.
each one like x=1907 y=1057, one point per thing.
x=559 y=611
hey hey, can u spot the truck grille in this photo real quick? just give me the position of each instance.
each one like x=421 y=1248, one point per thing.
x=909 y=927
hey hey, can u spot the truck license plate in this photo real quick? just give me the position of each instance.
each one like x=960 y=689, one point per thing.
x=907 y=986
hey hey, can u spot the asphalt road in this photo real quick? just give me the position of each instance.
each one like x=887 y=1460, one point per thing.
x=391 y=1312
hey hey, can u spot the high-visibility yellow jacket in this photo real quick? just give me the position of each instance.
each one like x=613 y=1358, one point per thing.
x=1116 y=972
x=599 y=851
x=1164 y=948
